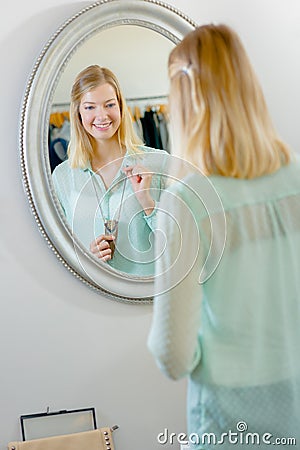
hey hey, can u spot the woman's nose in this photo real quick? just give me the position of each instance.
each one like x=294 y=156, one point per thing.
x=101 y=113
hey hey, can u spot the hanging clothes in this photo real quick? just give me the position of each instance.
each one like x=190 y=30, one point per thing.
x=151 y=130
x=151 y=121
x=59 y=137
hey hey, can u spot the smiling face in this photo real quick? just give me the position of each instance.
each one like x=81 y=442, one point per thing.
x=100 y=113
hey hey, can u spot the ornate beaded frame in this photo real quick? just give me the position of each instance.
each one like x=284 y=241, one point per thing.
x=33 y=137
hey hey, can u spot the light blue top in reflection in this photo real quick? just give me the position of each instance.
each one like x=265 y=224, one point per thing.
x=75 y=191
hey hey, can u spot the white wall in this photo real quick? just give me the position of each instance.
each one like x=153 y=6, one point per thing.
x=63 y=345
x=129 y=51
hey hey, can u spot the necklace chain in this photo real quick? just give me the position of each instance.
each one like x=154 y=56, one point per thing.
x=99 y=202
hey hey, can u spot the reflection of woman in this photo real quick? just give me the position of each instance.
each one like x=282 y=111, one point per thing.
x=108 y=176
x=237 y=334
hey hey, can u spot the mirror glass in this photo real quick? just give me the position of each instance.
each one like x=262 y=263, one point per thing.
x=136 y=55
x=135 y=46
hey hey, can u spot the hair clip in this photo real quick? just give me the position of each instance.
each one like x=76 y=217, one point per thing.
x=186 y=69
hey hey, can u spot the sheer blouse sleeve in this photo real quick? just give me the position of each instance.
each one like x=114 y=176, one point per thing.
x=173 y=338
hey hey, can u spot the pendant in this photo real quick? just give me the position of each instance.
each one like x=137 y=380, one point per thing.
x=111 y=228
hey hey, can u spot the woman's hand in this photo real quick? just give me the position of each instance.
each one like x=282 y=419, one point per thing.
x=100 y=247
x=140 y=179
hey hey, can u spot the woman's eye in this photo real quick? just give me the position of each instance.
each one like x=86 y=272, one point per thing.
x=88 y=108
x=110 y=105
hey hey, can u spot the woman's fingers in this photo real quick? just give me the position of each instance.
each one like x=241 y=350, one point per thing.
x=138 y=174
x=100 y=247
x=105 y=255
x=132 y=173
x=102 y=240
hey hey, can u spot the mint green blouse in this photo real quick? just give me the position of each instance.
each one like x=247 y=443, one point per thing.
x=75 y=189
x=227 y=303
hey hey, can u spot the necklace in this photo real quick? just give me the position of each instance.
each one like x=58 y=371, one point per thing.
x=110 y=225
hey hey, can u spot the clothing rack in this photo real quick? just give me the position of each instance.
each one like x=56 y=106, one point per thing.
x=60 y=106
x=150 y=97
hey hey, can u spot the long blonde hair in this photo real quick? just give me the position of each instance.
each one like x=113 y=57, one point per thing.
x=219 y=118
x=80 y=149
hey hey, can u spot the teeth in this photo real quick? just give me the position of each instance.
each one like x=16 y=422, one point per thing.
x=105 y=125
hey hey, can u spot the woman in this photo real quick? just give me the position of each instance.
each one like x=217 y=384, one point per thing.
x=236 y=333
x=106 y=187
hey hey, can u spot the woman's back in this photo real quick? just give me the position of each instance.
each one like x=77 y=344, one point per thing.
x=250 y=333
x=236 y=334
x=245 y=312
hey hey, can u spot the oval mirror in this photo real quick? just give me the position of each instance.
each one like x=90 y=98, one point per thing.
x=131 y=37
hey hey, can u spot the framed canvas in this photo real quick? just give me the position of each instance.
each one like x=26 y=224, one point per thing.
x=46 y=424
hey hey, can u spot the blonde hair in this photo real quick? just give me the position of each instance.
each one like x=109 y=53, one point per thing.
x=219 y=118
x=80 y=149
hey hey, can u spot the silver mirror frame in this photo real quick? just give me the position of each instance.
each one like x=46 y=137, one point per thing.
x=33 y=139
